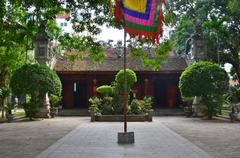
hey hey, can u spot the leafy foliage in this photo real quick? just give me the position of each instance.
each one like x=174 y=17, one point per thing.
x=31 y=109
x=5 y=92
x=107 y=106
x=130 y=75
x=233 y=95
x=219 y=22
x=30 y=79
x=158 y=53
x=9 y=107
x=206 y=80
x=95 y=103
x=148 y=102
x=135 y=107
x=105 y=90
x=203 y=78
x=35 y=80
x=54 y=100
x=20 y=20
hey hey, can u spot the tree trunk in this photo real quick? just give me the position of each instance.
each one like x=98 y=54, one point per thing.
x=3 y=78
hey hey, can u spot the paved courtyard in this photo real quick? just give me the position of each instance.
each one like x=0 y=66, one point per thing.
x=166 y=137
x=99 y=140
x=27 y=139
x=220 y=138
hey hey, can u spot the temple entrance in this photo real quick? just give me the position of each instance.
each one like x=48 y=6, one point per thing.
x=166 y=93
x=80 y=90
x=160 y=93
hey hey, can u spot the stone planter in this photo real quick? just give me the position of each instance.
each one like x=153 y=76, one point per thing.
x=149 y=115
x=120 y=118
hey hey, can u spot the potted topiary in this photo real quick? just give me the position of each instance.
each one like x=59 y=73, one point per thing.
x=148 y=102
x=135 y=107
x=95 y=102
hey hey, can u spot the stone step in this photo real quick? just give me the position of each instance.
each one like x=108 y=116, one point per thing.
x=168 y=112
x=73 y=112
x=157 y=112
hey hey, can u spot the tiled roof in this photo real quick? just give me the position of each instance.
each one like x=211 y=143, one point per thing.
x=113 y=63
x=64 y=16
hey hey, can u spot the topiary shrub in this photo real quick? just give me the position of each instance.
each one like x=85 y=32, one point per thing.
x=207 y=80
x=95 y=104
x=118 y=85
x=35 y=80
x=131 y=78
x=31 y=78
x=148 y=102
x=105 y=90
x=135 y=107
x=107 y=106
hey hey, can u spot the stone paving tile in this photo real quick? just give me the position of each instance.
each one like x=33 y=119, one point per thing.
x=220 y=138
x=29 y=138
x=99 y=140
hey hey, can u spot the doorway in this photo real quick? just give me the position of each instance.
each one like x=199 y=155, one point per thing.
x=80 y=90
x=160 y=93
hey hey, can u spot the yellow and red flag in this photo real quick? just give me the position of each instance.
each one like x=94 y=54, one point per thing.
x=142 y=18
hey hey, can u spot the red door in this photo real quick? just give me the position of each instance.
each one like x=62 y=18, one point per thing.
x=68 y=95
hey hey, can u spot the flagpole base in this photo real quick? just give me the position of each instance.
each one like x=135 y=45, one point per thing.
x=126 y=138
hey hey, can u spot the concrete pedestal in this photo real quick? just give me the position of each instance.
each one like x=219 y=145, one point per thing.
x=126 y=138
x=44 y=112
x=198 y=107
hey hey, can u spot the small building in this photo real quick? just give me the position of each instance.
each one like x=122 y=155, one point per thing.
x=81 y=78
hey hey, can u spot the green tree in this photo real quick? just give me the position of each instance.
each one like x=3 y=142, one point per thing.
x=220 y=24
x=206 y=80
x=35 y=81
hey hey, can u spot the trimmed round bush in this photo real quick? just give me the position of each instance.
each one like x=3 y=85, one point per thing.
x=131 y=77
x=105 y=90
x=206 y=80
x=203 y=78
x=35 y=80
x=30 y=79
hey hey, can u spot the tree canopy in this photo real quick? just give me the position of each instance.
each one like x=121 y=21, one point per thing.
x=31 y=79
x=202 y=79
x=219 y=22
x=20 y=20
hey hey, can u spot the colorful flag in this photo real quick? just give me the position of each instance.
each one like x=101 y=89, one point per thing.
x=142 y=18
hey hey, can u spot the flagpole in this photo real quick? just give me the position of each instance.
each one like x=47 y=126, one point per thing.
x=125 y=85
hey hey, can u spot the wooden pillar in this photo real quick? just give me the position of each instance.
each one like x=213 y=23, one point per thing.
x=68 y=96
x=146 y=87
x=94 y=87
x=172 y=96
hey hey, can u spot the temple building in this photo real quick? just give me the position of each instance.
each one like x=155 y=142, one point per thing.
x=81 y=78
